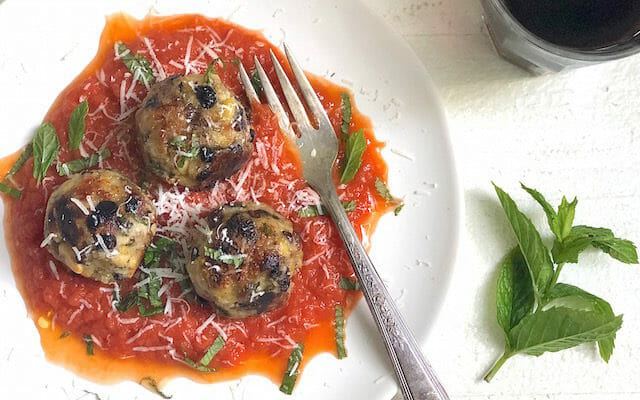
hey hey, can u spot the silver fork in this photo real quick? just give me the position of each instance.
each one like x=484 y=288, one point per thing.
x=318 y=151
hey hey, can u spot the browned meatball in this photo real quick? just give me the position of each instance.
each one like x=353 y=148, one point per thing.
x=192 y=131
x=244 y=264
x=99 y=224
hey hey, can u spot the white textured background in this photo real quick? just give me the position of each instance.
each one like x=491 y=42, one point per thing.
x=574 y=133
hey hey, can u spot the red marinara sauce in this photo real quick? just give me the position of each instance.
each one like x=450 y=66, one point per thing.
x=128 y=346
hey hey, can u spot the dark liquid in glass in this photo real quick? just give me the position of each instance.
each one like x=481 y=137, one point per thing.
x=580 y=24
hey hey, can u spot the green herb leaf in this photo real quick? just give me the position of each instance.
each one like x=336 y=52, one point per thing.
x=150 y=384
x=552 y=216
x=349 y=284
x=582 y=237
x=10 y=190
x=64 y=335
x=573 y=297
x=383 y=190
x=89 y=341
x=127 y=302
x=514 y=297
x=160 y=247
x=231 y=259
x=139 y=66
x=346 y=114
x=155 y=283
x=356 y=145
x=195 y=365
x=255 y=81
x=314 y=211
x=211 y=71
x=148 y=312
x=339 y=330
x=535 y=253
x=45 y=150
x=76 y=125
x=80 y=164
x=293 y=370
x=397 y=210
x=212 y=351
x=566 y=214
x=24 y=156
x=560 y=328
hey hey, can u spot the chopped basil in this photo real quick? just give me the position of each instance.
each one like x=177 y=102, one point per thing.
x=212 y=351
x=80 y=164
x=314 y=211
x=293 y=370
x=195 y=365
x=127 y=302
x=356 y=145
x=255 y=81
x=231 y=259
x=154 y=287
x=45 y=150
x=349 y=284
x=5 y=187
x=211 y=71
x=139 y=66
x=76 y=125
x=349 y=206
x=178 y=142
x=346 y=115
x=160 y=246
x=150 y=384
x=148 y=312
x=339 y=329
x=24 y=156
x=64 y=334
x=89 y=341
x=384 y=192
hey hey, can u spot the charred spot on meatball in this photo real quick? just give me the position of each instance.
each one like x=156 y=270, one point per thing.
x=104 y=242
x=206 y=95
x=245 y=264
x=196 y=132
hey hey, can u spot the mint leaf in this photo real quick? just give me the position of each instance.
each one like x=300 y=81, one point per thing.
x=535 y=253
x=255 y=81
x=293 y=370
x=45 y=150
x=10 y=190
x=349 y=284
x=582 y=237
x=139 y=66
x=211 y=71
x=80 y=164
x=24 y=156
x=346 y=114
x=230 y=259
x=552 y=216
x=356 y=145
x=573 y=297
x=566 y=213
x=514 y=297
x=89 y=342
x=339 y=333
x=217 y=345
x=76 y=125
x=560 y=328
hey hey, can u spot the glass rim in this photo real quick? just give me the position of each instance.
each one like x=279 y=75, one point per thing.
x=612 y=52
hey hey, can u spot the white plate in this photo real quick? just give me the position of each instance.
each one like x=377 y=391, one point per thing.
x=45 y=44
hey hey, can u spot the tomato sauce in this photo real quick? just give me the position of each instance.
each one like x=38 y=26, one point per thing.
x=128 y=346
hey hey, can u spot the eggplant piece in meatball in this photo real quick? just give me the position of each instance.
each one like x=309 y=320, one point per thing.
x=193 y=131
x=244 y=263
x=99 y=224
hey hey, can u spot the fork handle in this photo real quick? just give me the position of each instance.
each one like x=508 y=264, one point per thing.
x=415 y=375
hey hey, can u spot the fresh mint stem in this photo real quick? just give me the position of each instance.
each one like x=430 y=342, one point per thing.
x=496 y=367
x=556 y=274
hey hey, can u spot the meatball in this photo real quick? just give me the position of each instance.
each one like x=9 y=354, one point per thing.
x=99 y=224
x=193 y=132
x=244 y=262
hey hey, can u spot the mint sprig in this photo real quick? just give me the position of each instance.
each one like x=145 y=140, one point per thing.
x=536 y=312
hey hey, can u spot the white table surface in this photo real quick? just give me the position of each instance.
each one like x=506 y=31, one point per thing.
x=574 y=133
